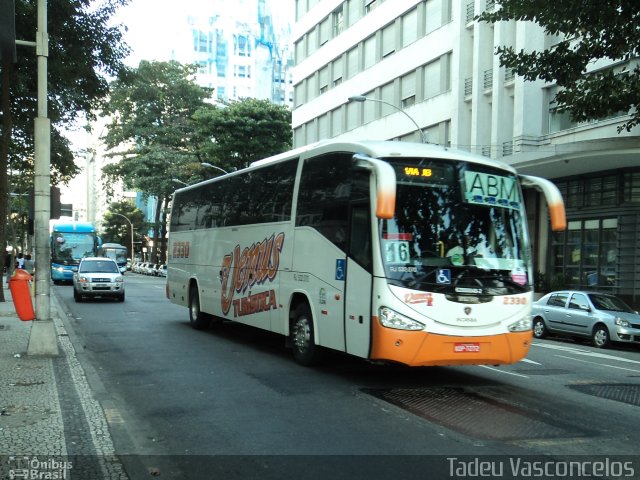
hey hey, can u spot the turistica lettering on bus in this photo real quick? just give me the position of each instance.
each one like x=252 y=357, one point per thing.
x=245 y=269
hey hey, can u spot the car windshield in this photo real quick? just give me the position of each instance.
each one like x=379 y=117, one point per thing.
x=612 y=304
x=98 y=266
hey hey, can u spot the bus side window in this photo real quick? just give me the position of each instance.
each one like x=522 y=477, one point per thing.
x=325 y=192
x=360 y=241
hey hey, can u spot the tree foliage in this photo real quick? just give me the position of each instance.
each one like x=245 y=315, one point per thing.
x=84 y=49
x=244 y=131
x=590 y=30
x=151 y=133
x=117 y=230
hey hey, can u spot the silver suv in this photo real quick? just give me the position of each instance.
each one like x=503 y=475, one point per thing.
x=98 y=277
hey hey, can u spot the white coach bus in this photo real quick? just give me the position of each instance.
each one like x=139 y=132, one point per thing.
x=390 y=251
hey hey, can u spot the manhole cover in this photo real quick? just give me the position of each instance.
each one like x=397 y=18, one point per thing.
x=620 y=392
x=473 y=414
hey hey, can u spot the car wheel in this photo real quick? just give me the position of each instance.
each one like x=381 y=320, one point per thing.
x=539 y=328
x=198 y=319
x=600 y=336
x=305 y=351
x=76 y=296
x=121 y=297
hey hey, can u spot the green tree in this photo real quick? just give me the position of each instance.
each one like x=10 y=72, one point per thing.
x=84 y=48
x=590 y=30
x=243 y=131
x=152 y=133
x=117 y=230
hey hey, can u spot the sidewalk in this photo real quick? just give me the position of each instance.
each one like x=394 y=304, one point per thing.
x=51 y=426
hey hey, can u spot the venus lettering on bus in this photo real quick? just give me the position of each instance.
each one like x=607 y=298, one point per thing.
x=251 y=266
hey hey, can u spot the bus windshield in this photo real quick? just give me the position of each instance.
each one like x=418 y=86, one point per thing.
x=117 y=254
x=455 y=220
x=69 y=248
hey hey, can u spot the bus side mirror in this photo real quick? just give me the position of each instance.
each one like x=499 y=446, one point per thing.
x=385 y=184
x=553 y=198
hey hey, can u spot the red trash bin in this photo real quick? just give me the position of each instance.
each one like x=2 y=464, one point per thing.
x=21 y=294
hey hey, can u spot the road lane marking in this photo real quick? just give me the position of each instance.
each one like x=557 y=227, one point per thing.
x=526 y=360
x=587 y=353
x=600 y=364
x=503 y=371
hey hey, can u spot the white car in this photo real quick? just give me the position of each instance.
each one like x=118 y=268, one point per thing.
x=98 y=277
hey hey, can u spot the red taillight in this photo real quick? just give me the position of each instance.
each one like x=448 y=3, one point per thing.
x=166 y=290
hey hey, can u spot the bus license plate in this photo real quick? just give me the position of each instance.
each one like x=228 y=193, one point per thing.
x=466 y=347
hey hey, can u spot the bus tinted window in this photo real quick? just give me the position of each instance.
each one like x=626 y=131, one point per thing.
x=259 y=196
x=327 y=186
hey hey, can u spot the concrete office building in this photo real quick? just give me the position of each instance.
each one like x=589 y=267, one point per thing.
x=431 y=61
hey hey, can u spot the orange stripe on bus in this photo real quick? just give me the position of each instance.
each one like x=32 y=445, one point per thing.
x=558 y=217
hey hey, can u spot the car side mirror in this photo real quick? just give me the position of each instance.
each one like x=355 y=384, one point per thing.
x=586 y=308
x=74 y=270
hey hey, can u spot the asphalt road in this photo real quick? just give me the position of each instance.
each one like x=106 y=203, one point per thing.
x=176 y=398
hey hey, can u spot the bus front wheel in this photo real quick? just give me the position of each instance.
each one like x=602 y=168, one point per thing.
x=198 y=319
x=305 y=351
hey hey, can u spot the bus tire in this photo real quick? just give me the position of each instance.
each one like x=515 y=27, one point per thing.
x=305 y=351
x=197 y=318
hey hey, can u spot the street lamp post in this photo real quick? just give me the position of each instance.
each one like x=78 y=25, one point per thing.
x=362 y=98
x=208 y=165
x=131 y=225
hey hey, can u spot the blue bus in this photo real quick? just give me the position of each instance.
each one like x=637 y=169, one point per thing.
x=116 y=252
x=70 y=242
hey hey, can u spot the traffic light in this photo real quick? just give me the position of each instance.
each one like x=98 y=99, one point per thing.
x=56 y=207
x=8 y=30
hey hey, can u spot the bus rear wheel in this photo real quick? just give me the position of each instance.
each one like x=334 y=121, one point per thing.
x=198 y=319
x=305 y=351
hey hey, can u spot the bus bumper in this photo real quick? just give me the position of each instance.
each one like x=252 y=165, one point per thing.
x=61 y=274
x=430 y=349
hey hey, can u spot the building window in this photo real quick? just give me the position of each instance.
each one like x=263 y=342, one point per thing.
x=408 y=89
x=353 y=62
x=323 y=76
x=410 y=27
x=370 y=52
x=388 y=39
x=632 y=187
x=433 y=15
x=432 y=79
x=337 y=66
x=338 y=21
x=325 y=31
x=584 y=256
x=371 y=5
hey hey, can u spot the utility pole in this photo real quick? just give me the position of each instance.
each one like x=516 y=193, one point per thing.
x=43 y=339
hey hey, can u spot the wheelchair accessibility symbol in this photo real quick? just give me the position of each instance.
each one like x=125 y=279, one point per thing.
x=340 y=269
x=443 y=275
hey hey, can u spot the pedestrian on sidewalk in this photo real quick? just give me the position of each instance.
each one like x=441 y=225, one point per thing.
x=29 y=265
x=20 y=261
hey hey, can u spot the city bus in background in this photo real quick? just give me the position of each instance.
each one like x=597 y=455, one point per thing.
x=116 y=252
x=70 y=242
x=389 y=251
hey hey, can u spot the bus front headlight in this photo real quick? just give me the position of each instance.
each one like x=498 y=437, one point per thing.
x=392 y=319
x=521 y=325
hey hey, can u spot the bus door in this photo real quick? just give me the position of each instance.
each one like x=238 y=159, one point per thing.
x=358 y=284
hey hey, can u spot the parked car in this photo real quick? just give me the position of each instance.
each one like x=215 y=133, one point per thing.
x=162 y=271
x=602 y=317
x=98 y=277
